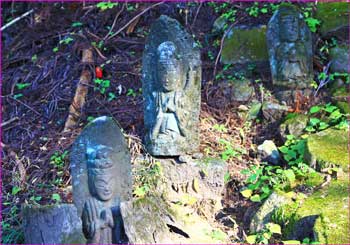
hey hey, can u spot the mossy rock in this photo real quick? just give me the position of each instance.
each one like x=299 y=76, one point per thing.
x=52 y=224
x=333 y=16
x=323 y=216
x=294 y=125
x=339 y=57
x=343 y=106
x=328 y=148
x=244 y=44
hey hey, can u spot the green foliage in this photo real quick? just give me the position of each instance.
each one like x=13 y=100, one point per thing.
x=218 y=235
x=220 y=128
x=15 y=190
x=325 y=116
x=34 y=58
x=22 y=85
x=293 y=150
x=106 y=5
x=262 y=180
x=66 y=40
x=56 y=197
x=146 y=178
x=312 y=23
x=263 y=236
x=58 y=159
x=102 y=85
x=55 y=49
x=229 y=152
x=131 y=92
x=77 y=24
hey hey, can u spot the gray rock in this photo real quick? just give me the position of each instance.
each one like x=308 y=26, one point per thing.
x=202 y=179
x=290 y=48
x=334 y=18
x=242 y=90
x=294 y=126
x=273 y=111
x=171 y=76
x=245 y=44
x=145 y=220
x=263 y=215
x=101 y=174
x=268 y=152
x=340 y=58
x=55 y=224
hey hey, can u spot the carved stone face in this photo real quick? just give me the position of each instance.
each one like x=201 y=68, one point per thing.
x=289 y=28
x=168 y=67
x=102 y=185
x=100 y=173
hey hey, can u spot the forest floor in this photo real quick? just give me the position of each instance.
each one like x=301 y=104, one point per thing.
x=41 y=66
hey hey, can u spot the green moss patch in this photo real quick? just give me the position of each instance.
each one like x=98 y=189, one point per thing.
x=329 y=147
x=327 y=210
x=245 y=45
x=332 y=15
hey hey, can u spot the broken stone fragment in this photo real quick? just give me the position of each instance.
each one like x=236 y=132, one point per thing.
x=52 y=224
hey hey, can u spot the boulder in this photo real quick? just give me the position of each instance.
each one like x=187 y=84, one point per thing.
x=154 y=220
x=340 y=58
x=321 y=217
x=264 y=213
x=268 y=152
x=328 y=148
x=52 y=224
x=245 y=44
x=334 y=17
x=294 y=125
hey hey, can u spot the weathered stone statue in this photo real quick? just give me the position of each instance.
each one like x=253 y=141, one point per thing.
x=171 y=87
x=290 y=49
x=101 y=171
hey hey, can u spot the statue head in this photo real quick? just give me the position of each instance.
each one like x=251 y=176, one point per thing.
x=100 y=172
x=289 y=25
x=168 y=66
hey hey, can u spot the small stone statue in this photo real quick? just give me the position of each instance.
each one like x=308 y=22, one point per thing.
x=290 y=49
x=101 y=174
x=171 y=87
x=101 y=223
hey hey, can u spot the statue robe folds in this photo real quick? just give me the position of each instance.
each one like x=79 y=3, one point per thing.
x=171 y=75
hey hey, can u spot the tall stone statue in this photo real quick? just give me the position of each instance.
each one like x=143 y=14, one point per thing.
x=171 y=76
x=101 y=171
x=290 y=49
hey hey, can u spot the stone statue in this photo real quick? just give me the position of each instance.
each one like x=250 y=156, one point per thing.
x=101 y=172
x=171 y=87
x=290 y=49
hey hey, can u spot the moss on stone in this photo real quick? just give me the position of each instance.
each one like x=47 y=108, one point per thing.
x=332 y=206
x=294 y=125
x=328 y=147
x=332 y=15
x=314 y=179
x=343 y=106
x=245 y=45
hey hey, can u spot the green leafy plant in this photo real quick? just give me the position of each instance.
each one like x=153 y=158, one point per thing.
x=58 y=159
x=22 y=85
x=229 y=152
x=102 y=85
x=325 y=116
x=263 y=179
x=312 y=23
x=293 y=150
x=56 y=197
x=106 y=5
x=220 y=128
x=66 y=40
x=147 y=178
x=263 y=236
x=77 y=24
x=131 y=92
